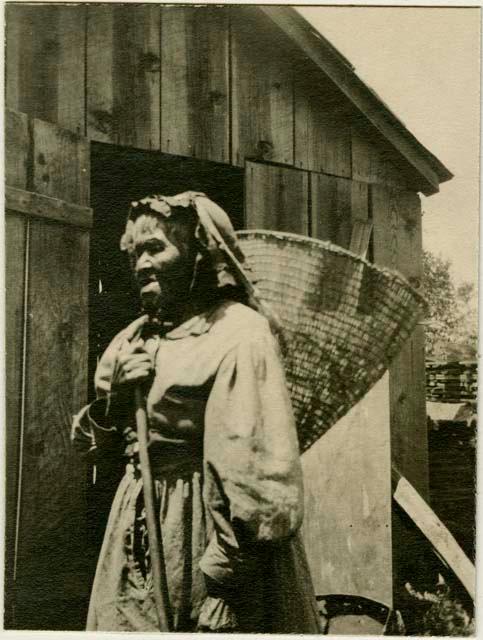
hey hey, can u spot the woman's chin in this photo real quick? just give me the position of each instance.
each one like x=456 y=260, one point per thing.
x=151 y=298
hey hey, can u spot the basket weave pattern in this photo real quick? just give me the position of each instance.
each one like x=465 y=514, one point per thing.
x=343 y=321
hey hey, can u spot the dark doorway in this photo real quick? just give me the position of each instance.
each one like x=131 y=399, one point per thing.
x=119 y=176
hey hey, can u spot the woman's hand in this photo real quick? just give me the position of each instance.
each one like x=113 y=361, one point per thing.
x=134 y=365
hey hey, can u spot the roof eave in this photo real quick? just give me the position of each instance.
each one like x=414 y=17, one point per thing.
x=432 y=172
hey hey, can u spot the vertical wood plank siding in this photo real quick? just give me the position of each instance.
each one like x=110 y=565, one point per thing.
x=398 y=245
x=262 y=96
x=60 y=163
x=373 y=163
x=15 y=258
x=336 y=204
x=52 y=532
x=71 y=87
x=17 y=143
x=100 y=67
x=322 y=134
x=359 y=201
x=50 y=554
x=331 y=208
x=195 y=83
x=365 y=165
x=123 y=75
x=195 y=113
x=45 y=62
x=276 y=198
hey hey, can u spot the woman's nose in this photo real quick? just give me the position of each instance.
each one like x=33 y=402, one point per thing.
x=144 y=262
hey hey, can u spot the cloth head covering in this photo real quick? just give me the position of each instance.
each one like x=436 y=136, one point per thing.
x=217 y=239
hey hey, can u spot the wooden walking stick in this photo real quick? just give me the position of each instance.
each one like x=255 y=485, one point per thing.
x=158 y=568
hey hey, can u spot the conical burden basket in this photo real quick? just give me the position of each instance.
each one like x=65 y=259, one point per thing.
x=343 y=320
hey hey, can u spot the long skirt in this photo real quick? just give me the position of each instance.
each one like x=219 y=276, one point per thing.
x=278 y=599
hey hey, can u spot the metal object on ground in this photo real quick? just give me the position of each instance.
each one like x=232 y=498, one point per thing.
x=353 y=615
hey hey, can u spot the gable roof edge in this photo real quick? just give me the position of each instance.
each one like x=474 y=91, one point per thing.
x=339 y=70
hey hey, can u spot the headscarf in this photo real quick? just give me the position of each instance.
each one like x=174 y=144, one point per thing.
x=217 y=239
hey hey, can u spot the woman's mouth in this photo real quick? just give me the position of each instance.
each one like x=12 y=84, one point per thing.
x=144 y=279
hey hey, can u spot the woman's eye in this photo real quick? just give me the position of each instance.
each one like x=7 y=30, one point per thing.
x=150 y=247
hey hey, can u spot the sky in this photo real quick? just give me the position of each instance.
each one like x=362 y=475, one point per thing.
x=425 y=64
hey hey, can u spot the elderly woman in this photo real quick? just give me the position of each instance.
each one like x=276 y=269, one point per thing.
x=222 y=442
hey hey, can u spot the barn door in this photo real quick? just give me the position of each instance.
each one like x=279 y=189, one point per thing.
x=47 y=246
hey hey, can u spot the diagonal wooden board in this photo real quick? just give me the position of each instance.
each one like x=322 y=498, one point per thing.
x=360 y=237
x=438 y=535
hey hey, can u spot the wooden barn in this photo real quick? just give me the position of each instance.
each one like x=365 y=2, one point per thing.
x=255 y=108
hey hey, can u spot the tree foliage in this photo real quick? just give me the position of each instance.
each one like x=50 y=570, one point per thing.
x=452 y=326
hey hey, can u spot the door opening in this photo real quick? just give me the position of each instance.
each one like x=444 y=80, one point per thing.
x=120 y=175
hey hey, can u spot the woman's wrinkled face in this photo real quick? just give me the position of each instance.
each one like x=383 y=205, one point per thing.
x=163 y=260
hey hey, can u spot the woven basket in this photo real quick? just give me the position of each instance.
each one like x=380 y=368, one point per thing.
x=343 y=320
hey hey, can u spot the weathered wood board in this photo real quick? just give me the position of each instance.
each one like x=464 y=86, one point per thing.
x=347 y=524
x=45 y=62
x=47 y=298
x=16 y=229
x=322 y=136
x=71 y=84
x=397 y=234
x=34 y=204
x=331 y=208
x=335 y=204
x=359 y=201
x=397 y=245
x=435 y=531
x=373 y=163
x=195 y=82
x=100 y=116
x=15 y=258
x=366 y=105
x=17 y=145
x=262 y=96
x=52 y=502
x=276 y=198
x=123 y=74
x=60 y=163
